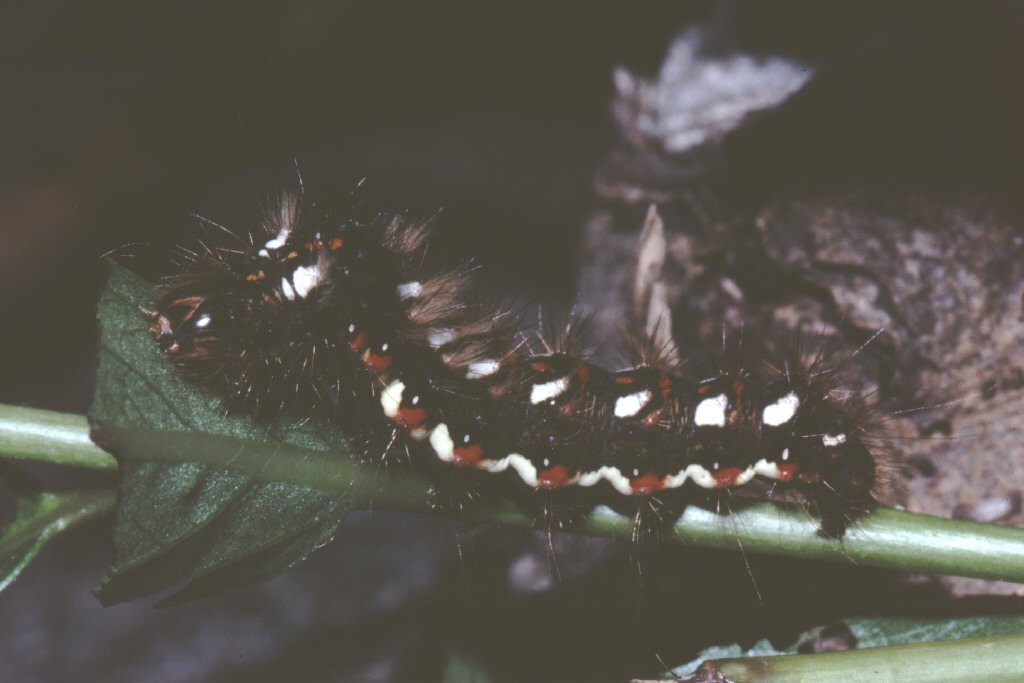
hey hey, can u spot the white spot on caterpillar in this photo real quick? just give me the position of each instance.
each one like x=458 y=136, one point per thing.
x=833 y=440
x=441 y=442
x=771 y=469
x=306 y=279
x=630 y=405
x=419 y=433
x=391 y=398
x=275 y=242
x=767 y=469
x=618 y=481
x=548 y=390
x=286 y=289
x=674 y=481
x=483 y=368
x=522 y=465
x=701 y=476
x=782 y=411
x=409 y=290
x=610 y=474
x=711 y=412
x=496 y=465
x=439 y=338
x=203 y=321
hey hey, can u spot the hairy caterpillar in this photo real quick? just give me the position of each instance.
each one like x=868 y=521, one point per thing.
x=348 y=321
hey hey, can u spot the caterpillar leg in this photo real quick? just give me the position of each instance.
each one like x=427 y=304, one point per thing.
x=454 y=497
x=841 y=503
x=388 y=448
x=558 y=509
x=842 y=489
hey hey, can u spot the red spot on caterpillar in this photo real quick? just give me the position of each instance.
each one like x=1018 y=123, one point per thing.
x=468 y=455
x=726 y=477
x=553 y=478
x=336 y=244
x=411 y=418
x=583 y=372
x=359 y=343
x=646 y=484
x=377 y=363
x=786 y=471
x=666 y=386
x=569 y=409
x=540 y=366
x=653 y=419
x=705 y=389
x=735 y=415
x=625 y=379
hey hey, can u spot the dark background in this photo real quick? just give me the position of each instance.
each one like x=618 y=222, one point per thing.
x=122 y=118
x=119 y=119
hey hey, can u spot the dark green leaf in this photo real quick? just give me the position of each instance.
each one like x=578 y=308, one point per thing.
x=214 y=527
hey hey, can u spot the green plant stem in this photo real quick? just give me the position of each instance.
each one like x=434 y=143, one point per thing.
x=47 y=436
x=48 y=515
x=991 y=659
x=887 y=538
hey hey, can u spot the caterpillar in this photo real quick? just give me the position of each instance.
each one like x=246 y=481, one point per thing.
x=349 y=321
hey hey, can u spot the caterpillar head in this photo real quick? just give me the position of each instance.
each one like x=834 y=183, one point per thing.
x=192 y=328
x=203 y=321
